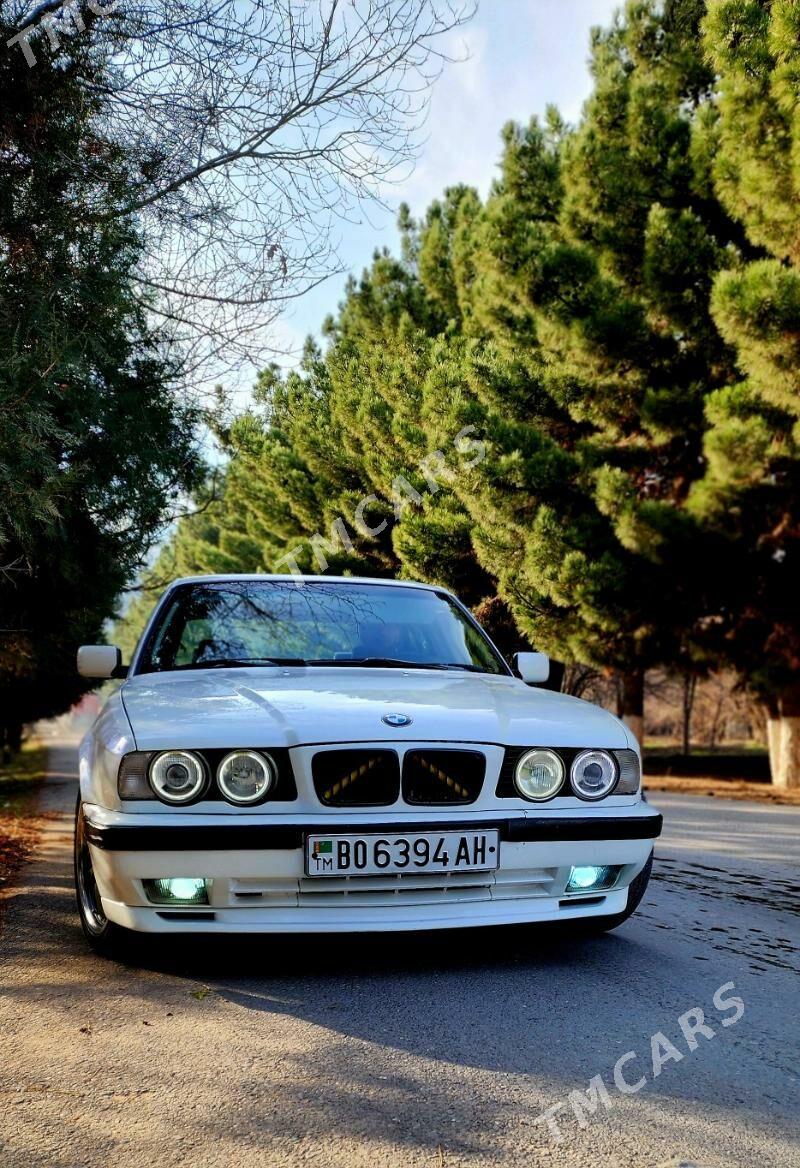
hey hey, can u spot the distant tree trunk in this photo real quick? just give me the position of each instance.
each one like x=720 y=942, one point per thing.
x=631 y=703
x=10 y=739
x=783 y=735
x=719 y=725
x=773 y=735
x=6 y=740
x=689 y=690
x=15 y=738
x=577 y=679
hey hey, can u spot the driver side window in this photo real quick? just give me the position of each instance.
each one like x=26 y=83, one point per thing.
x=192 y=637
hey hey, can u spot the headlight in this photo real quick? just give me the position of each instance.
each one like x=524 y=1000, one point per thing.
x=177 y=776
x=539 y=774
x=245 y=777
x=594 y=773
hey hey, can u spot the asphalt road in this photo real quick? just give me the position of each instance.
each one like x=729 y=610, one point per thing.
x=420 y=1050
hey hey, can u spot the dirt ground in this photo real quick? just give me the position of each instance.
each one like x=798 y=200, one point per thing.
x=723 y=789
x=20 y=820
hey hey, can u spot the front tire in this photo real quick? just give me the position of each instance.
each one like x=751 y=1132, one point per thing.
x=102 y=935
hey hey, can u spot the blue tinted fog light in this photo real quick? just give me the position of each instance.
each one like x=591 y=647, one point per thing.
x=177 y=890
x=592 y=878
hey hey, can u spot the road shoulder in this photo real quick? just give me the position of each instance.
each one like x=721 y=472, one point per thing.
x=738 y=789
x=20 y=820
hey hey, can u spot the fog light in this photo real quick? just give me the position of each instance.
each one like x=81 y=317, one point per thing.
x=177 y=890
x=592 y=878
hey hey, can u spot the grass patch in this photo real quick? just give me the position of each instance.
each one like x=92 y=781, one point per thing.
x=20 y=778
x=659 y=746
x=19 y=781
x=748 y=765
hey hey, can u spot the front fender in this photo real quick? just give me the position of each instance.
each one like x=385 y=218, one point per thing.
x=100 y=752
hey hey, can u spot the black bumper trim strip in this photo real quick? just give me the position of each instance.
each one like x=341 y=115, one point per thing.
x=169 y=915
x=288 y=837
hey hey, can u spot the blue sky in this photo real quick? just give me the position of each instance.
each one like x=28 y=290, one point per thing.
x=522 y=55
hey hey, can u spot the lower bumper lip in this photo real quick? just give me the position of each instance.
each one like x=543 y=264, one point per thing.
x=287 y=837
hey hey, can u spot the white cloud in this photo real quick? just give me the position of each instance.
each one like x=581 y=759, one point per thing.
x=462 y=121
x=520 y=55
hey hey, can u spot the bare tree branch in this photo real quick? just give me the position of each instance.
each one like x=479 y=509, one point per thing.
x=255 y=127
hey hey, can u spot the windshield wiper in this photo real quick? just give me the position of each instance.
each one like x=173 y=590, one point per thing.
x=224 y=662
x=470 y=668
x=377 y=662
x=397 y=663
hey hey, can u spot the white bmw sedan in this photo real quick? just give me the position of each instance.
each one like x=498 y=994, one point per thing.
x=323 y=754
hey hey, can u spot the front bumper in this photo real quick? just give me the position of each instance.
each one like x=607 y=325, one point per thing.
x=258 y=883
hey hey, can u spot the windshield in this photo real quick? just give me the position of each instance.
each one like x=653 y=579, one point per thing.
x=251 y=622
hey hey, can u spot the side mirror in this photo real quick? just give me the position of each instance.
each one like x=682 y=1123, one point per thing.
x=532 y=666
x=100 y=662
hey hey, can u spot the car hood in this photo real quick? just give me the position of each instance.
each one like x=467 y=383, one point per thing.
x=297 y=706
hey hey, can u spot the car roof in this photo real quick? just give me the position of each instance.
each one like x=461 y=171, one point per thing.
x=293 y=577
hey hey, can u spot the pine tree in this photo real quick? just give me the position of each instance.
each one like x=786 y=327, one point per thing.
x=589 y=350
x=750 y=141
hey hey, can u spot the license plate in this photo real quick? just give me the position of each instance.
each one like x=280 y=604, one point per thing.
x=373 y=855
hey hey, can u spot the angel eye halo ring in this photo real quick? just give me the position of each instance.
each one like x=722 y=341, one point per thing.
x=244 y=776
x=177 y=776
x=593 y=774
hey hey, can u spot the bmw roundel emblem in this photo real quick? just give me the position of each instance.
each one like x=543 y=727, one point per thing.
x=397 y=719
